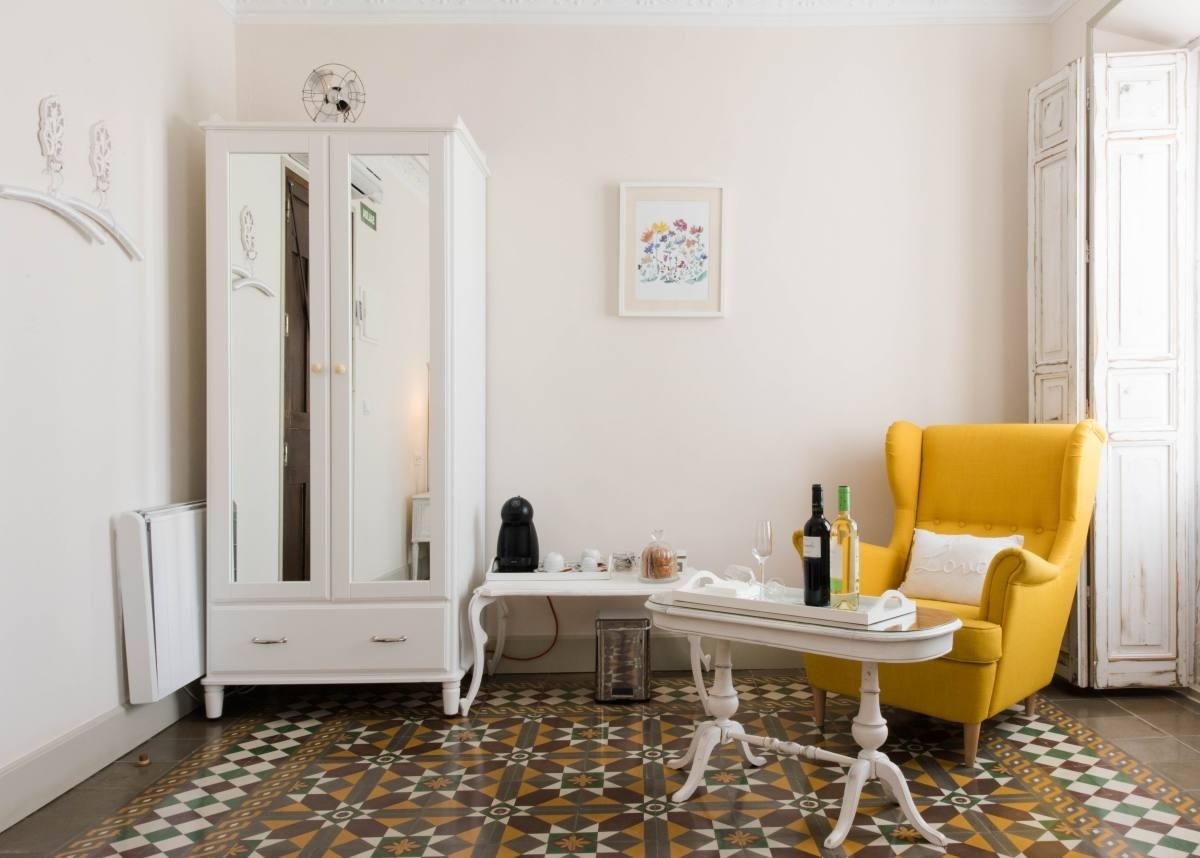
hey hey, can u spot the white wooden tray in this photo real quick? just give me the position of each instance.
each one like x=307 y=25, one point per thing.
x=707 y=592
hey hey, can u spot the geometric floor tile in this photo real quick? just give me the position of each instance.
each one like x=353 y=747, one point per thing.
x=541 y=769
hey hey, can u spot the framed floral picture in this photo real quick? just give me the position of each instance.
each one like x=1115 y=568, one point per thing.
x=670 y=250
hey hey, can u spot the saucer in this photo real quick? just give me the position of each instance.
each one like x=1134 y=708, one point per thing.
x=645 y=580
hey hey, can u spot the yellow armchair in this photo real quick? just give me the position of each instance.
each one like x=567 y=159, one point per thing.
x=985 y=480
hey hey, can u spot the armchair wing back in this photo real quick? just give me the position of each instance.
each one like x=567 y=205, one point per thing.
x=988 y=480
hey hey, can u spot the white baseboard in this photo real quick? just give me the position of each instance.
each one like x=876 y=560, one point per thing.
x=577 y=654
x=43 y=775
x=1191 y=692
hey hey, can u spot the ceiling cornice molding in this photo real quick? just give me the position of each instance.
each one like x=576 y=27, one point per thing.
x=799 y=12
x=1057 y=7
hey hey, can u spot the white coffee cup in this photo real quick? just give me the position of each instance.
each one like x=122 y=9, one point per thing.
x=553 y=562
x=589 y=563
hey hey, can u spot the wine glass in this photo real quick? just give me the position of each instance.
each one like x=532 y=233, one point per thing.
x=764 y=545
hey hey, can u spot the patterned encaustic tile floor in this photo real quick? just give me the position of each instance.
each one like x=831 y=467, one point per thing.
x=539 y=768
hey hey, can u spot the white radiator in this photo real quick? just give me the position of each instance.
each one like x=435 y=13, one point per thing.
x=160 y=567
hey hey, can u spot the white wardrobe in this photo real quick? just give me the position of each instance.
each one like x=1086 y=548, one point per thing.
x=345 y=278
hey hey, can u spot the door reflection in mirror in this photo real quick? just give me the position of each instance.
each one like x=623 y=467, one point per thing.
x=269 y=381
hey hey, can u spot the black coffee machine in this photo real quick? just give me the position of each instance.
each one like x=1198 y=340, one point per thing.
x=517 y=547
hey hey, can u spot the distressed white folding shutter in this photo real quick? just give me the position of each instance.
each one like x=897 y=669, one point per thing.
x=1141 y=366
x=1056 y=284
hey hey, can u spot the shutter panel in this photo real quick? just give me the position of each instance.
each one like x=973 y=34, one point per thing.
x=1056 y=285
x=1141 y=379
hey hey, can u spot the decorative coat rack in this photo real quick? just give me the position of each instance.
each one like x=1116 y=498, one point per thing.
x=95 y=222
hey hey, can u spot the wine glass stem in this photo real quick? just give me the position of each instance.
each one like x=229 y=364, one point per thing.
x=762 y=573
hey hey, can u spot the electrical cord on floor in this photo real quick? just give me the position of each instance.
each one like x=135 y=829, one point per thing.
x=553 y=640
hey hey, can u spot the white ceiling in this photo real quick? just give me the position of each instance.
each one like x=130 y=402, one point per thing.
x=1172 y=23
x=813 y=12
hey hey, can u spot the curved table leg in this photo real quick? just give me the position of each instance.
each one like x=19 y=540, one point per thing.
x=688 y=755
x=893 y=780
x=888 y=792
x=708 y=736
x=479 y=639
x=501 y=630
x=751 y=757
x=855 y=782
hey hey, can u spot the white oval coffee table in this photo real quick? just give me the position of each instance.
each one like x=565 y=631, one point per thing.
x=926 y=635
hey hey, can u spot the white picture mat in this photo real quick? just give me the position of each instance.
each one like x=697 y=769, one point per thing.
x=710 y=301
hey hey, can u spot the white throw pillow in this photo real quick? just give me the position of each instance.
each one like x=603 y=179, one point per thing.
x=952 y=568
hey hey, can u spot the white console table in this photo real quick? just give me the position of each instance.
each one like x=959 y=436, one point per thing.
x=502 y=586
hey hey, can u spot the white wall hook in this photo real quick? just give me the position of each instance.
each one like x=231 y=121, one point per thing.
x=94 y=223
x=50 y=138
x=57 y=205
x=100 y=159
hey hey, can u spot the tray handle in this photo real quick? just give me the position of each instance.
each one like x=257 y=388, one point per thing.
x=694 y=583
x=895 y=599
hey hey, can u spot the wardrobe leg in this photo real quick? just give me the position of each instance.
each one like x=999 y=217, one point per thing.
x=214 y=700
x=1031 y=705
x=450 y=690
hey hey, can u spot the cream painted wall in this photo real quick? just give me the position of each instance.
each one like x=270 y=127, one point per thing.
x=103 y=378
x=876 y=255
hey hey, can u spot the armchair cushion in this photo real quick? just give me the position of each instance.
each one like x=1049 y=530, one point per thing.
x=951 y=567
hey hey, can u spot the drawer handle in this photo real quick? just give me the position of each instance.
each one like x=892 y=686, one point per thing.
x=384 y=639
x=259 y=640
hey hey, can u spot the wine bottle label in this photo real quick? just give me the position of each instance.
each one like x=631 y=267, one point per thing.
x=812 y=548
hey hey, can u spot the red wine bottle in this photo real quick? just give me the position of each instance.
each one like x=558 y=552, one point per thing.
x=816 y=554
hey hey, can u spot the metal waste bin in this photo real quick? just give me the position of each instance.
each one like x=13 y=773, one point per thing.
x=622 y=659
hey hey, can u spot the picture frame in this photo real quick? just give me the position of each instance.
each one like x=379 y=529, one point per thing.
x=671 y=250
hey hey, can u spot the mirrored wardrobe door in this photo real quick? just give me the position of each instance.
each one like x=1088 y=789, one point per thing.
x=275 y=297
x=380 y=341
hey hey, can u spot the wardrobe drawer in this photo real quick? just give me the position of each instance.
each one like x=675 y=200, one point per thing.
x=341 y=638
